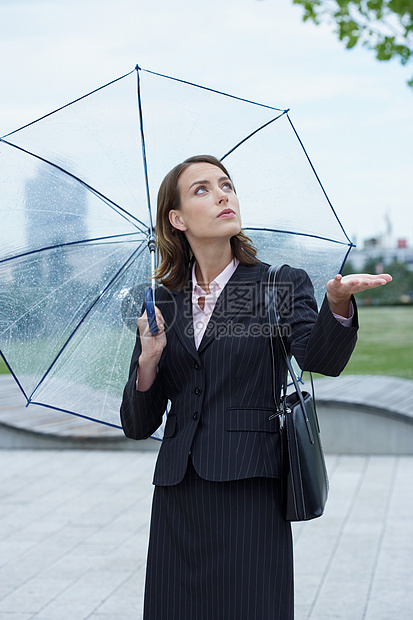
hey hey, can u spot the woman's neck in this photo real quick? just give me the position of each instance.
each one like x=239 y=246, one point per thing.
x=210 y=261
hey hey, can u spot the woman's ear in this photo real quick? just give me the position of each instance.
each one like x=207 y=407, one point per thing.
x=176 y=220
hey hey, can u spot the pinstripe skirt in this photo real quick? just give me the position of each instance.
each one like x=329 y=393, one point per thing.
x=219 y=551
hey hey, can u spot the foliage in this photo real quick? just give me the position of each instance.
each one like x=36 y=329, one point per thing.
x=398 y=291
x=384 y=26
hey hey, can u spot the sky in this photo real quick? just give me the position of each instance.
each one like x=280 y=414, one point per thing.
x=354 y=114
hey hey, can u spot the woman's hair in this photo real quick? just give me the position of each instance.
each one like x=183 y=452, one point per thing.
x=174 y=252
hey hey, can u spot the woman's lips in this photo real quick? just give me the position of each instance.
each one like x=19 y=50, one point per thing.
x=226 y=213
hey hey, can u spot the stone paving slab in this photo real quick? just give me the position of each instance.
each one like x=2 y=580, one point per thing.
x=74 y=530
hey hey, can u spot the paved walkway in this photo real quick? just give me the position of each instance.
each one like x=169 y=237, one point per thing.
x=74 y=527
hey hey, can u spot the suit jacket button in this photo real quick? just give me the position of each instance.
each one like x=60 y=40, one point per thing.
x=195 y=416
x=197 y=391
x=197 y=366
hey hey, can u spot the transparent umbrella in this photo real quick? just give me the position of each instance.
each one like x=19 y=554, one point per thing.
x=78 y=188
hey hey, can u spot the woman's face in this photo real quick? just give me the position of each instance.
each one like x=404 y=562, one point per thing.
x=209 y=206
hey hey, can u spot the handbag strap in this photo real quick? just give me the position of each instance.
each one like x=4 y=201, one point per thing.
x=273 y=312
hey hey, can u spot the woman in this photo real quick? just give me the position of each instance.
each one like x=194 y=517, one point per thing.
x=219 y=547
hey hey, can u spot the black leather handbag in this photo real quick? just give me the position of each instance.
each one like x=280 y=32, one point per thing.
x=304 y=477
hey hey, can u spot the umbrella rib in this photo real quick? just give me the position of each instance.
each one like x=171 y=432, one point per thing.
x=63 y=245
x=122 y=269
x=318 y=178
x=79 y=415
x=68 y=104
x=346 y=257
x=253 y=133
x=211 y=90
x=301 y=234
x=143 y=146
x=110 y=203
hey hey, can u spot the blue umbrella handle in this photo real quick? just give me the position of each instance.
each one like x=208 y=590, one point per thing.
x=150 y=311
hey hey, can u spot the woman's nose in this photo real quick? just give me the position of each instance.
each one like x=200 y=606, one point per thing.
x=222 y=196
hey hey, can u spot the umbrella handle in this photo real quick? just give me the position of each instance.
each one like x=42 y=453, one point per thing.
x=150 y=311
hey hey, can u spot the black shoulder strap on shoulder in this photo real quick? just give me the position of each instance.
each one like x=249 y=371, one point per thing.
x=278 y=351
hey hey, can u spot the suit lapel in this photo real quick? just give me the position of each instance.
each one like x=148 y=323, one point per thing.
x=239 y=295
x=183 y=319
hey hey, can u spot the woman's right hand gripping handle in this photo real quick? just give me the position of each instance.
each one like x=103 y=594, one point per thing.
x=152 y=347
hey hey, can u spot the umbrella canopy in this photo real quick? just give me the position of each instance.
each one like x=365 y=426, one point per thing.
x=78 y=187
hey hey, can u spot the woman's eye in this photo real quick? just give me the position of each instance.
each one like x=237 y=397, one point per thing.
x=227 y=185
x=200 y=190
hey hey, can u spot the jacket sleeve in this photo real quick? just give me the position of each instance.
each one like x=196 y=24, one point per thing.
x=141 y=412
x=316 y=339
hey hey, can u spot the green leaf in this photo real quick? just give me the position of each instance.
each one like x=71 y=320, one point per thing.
x=386 y=49
x=374 y=23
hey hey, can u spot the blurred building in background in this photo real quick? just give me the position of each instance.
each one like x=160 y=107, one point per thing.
x=374 y=248
x=385 y=247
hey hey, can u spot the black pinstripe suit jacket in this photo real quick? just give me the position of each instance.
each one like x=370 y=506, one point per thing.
x=221 y=394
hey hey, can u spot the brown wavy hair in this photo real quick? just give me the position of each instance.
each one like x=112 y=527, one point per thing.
x=175 y=256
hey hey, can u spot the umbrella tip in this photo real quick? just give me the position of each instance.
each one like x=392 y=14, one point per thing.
x=137 y=68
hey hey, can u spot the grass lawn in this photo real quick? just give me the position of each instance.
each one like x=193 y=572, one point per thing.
x=3 y=368
x=385 y=343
